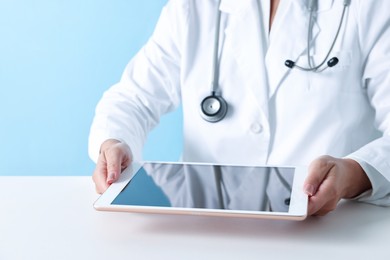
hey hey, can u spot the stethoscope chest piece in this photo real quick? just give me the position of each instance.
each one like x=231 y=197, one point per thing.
x=213 y=108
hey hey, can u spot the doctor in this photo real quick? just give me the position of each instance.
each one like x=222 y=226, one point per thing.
x=262 y=82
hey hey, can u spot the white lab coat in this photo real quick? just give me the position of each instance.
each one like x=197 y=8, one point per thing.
x=276 y=115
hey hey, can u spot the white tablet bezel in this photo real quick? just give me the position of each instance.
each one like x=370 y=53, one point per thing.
x=297 y=209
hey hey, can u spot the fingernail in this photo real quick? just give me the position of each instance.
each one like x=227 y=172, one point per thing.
x=111 y=178
x=309 y=189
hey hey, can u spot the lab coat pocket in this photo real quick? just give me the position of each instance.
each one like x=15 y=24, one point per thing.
x=344 y=60
x=339 y=79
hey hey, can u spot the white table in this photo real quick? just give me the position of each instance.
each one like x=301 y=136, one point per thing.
x=53 y=218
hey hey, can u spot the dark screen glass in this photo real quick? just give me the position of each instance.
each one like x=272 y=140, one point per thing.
x=209 y=187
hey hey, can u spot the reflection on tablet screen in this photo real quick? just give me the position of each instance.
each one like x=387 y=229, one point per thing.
x=209 y=187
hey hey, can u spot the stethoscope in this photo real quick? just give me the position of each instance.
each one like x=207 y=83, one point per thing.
x=213 y=108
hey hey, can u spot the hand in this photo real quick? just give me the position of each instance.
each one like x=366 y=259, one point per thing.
x=331 y=179
x=114 y=157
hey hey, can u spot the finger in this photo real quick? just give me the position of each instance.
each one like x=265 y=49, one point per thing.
x=318 y=171
x=101 y=186
x=100 y=175
x=326 y=209
x=326 y=198
x=114 y=158
x=323 y=212
x=127 y=157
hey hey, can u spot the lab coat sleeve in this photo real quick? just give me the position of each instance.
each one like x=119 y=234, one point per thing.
x=149 y=87
x=374 y=31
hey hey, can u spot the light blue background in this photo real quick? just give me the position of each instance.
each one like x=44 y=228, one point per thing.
x=57 y=58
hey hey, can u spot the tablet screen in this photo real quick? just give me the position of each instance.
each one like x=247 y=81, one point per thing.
x=209 y=187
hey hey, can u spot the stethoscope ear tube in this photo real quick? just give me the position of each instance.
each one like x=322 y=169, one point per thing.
x=329 y=63
x=213 y=108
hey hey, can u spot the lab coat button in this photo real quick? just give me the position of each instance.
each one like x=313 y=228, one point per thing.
x=256 y=128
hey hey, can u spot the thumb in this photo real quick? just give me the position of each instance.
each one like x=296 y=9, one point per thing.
x=114 y=162
x=318 y=170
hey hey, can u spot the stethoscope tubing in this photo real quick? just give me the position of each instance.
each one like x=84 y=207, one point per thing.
x=216 y=96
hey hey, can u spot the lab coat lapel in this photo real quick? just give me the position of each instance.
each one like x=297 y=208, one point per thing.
x=248 y=46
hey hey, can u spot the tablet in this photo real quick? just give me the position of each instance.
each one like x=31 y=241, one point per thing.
x=209 y=190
